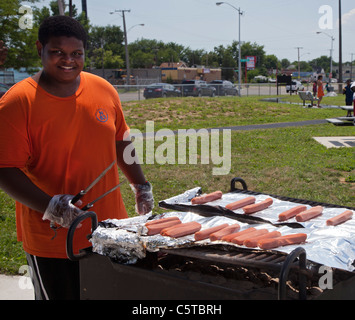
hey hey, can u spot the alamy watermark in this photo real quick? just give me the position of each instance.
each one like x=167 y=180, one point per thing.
x=26 y=20
x=326 y=20
x=181 y=147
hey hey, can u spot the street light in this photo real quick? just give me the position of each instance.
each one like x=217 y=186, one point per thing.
x=331 y=50
x=128 y=76
x=139 y=24
x=239 y=45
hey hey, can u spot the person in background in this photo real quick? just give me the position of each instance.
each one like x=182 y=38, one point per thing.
x=315 y=88
x=320 y=90
x=348 y=93
x=59 y=130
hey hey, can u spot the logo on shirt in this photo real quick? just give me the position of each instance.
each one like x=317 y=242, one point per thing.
x=101 y=115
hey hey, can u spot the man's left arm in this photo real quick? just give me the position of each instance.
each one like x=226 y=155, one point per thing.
x=134 y=173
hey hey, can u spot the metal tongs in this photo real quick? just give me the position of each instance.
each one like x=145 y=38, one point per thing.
x=79 y=195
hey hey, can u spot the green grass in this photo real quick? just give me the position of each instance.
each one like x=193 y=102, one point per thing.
x=195 y=113
x=285 y=161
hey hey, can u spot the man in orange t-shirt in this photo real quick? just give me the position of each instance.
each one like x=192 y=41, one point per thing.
x=59 y=130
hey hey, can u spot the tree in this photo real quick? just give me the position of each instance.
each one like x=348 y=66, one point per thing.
x=226 y=62
x=285 y=63
x=19 y=34
x=271 y=62
x=321 y=62
x=105 y=47
x=253 y=49
x=106 y=59
x=193 y=57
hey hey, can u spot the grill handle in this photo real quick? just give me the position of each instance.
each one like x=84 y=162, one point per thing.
x=237 y=179
x=70 y=235
x=292 y=256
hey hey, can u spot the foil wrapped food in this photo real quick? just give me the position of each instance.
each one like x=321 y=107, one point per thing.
x=126 y=240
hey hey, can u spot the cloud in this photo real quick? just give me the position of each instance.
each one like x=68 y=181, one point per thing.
x=348 y=17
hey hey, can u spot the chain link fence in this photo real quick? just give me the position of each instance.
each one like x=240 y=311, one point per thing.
x=136 y=92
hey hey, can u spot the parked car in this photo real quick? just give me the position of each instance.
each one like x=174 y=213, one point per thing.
x=161 y=90
x=197 y=88
x=295 y=86
x=224 y=87
x=3 y=89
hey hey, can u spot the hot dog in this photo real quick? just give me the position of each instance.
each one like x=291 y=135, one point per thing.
x=309 y=214
x=288 y=214
x=253 y=242
x=207 y=197
x=155 y=228
x=229 y=237
x=240 y=203
x=240 y=239
x=258 y=206
x=340 y=218
x=204 y=234
x=282 y=241
x=225 y=231
x=181 y=230
x=161 y=220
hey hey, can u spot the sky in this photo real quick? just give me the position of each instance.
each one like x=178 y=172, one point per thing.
x=281 y=26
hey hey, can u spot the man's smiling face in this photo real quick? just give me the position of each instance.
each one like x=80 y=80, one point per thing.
x=62 y=58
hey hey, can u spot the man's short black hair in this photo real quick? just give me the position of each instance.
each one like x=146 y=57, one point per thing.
x=57 y=26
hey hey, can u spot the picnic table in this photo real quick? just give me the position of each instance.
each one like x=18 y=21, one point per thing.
x=349 y=110
x=349 y=119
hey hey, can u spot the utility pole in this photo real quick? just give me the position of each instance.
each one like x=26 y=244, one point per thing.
x=299 y=67
x=61 y=7
x=340 y=52
x=128 y=77
x=84 y=8
x=240 y=13
x=70 y=8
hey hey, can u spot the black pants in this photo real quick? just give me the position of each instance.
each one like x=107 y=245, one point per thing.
x=54 y=279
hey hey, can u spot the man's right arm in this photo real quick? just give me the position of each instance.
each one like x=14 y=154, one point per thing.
x=18 y=186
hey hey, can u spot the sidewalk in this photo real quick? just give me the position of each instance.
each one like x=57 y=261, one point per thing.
x=10 y=288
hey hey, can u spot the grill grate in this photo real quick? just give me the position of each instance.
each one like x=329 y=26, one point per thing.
x=236 y=256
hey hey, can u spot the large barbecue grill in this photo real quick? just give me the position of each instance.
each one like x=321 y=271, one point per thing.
x=188 y=270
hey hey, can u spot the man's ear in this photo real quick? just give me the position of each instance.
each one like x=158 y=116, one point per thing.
x=39 y=48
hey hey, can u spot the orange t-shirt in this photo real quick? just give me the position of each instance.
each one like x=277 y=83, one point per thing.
x=62 y=145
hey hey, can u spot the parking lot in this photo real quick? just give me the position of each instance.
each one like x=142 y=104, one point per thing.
x=135 y=92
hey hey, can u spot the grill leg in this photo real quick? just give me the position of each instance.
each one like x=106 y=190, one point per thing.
x=297 y=253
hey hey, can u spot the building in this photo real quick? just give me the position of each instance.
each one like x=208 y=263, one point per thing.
x=176 y=72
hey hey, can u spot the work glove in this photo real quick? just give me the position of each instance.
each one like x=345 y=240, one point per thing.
x=61 y=211
x=144 y=197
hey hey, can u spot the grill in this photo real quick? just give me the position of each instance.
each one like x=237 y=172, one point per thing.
x=217 y=271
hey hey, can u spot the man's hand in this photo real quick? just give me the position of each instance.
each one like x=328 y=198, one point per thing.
x=61 y=211
x=144 y=197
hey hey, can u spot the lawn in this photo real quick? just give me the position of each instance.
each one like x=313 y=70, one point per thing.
x=285 y=161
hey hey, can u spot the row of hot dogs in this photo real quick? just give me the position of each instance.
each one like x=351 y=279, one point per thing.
x=300 y=213
x=250 y=237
